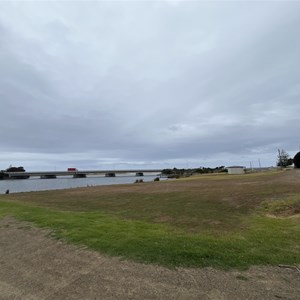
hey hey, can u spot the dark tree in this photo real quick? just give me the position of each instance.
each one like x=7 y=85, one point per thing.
x=15 y=169
x=283 y=159
x=297 y=160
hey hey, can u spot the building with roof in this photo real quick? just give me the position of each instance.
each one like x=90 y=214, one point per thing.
x=236 y=170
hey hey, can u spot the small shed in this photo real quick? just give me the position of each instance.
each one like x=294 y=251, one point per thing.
x=236 y=170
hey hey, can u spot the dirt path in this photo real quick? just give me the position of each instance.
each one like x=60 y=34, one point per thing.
x=35 y=266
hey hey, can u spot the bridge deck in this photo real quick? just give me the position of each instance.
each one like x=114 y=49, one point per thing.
x=86 y=172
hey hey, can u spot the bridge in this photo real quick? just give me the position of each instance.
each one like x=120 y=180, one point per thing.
x=77 y=173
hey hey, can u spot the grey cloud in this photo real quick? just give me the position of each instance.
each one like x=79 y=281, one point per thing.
x=148 y=83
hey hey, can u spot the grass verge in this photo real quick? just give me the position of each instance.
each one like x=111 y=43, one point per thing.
x=265 y=241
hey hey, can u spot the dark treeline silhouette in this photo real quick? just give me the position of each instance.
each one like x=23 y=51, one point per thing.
x=15 y=169
x=176 y=173
x=10 y=169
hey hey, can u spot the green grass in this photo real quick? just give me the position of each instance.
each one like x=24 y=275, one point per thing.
x=191 y=223
x=267 y=241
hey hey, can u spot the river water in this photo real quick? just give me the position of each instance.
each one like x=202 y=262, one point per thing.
x=66 y=182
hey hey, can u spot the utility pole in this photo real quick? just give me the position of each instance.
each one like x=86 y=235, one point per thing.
x=259 y=163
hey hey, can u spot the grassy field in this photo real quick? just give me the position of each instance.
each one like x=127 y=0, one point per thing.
x=222 y=221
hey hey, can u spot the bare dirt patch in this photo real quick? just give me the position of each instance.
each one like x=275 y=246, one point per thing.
x=36 y=266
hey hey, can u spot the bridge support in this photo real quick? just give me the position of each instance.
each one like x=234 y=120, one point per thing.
x=79 y=175
x=19 y=176
x=48 y=176
x=139 y=174
x=110 y=174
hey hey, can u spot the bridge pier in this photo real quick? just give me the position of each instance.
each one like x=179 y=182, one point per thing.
x=48 y=176
x=139 y=174
x=19 y=176
x=79 y=175
x=110 y=174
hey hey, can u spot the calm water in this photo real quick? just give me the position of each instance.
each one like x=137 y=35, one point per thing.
x=66 y=182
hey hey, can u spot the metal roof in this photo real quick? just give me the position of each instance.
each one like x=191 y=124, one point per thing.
x=239 y=167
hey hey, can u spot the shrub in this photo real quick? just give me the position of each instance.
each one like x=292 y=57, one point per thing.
x=297 y=160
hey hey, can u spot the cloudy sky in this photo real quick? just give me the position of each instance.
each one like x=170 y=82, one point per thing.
x=155 y=84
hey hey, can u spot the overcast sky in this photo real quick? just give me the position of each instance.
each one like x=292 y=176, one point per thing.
x=156 y=84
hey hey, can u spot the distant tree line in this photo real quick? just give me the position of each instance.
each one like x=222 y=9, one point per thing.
x=204 y=170
x=3 y=175
x=283 y=160
x=15 y=169
x=176 y=173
